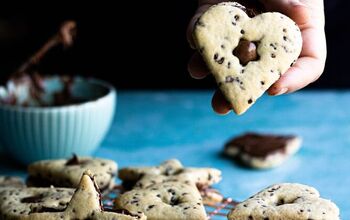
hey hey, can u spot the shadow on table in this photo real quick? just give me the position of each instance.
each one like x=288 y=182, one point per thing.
x=9 y=166
x=235 y=161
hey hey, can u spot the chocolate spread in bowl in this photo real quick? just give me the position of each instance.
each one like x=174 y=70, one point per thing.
x=26 y=87
x=34 y=90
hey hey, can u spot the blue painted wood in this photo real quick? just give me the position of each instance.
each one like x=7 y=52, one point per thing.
x=150 y=127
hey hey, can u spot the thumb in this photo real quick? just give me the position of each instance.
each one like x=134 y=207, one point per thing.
x=294 y=9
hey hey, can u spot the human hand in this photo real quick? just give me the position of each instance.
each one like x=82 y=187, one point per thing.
x=309 y=15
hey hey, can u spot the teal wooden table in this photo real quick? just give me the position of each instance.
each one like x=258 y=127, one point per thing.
x=150 y=127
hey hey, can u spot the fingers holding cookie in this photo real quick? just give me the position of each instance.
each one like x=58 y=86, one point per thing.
x=220 y=104
x=294 y=9
x=305 y=71
x=197 y=67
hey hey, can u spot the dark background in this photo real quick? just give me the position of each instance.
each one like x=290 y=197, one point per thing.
x=136 y=44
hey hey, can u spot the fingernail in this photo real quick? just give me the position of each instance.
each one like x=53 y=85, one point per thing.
x=296 y=3
x=280 y=92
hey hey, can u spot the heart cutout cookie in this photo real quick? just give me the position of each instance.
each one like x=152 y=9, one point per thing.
x=246 y=55
x=287 y=201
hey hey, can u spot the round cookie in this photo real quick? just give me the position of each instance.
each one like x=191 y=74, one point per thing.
x=246 y=55
x=287 y=201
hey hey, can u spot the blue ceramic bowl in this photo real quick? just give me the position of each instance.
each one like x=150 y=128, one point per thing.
x=35 y=133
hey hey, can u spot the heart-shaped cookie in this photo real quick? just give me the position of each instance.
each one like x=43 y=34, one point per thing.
x=246 y=55
x=287 y=201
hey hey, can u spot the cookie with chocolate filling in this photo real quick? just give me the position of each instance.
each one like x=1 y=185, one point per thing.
x=19 y=203
x=67 y=173
x=262 y=150
x=209 y=195
x=170 y=168
x=173 y=199
x=84 y=204
x=246 y=52
x=204 y=178
x=287 y=201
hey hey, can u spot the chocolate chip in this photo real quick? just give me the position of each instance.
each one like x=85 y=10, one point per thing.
x=236 y=17
x=273 y=55
x=294 y=61
x=234 y=23
x=150 y=207
x=242 y=32
x=273 y=46
x=174 y=201
x=221 y=61
x=229 y=65
x=280 y=202
x=171 y=191
x=250 y=101
x=134 y=201
x=284 y=30
x=285 y=38
x=216 y=56
x=246 y=51
x=262 y=82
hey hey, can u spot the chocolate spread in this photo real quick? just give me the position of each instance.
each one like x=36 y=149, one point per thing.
x=260 y=145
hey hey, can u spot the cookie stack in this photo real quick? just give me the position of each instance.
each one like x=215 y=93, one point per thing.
x=62 y=189
x=70 y=189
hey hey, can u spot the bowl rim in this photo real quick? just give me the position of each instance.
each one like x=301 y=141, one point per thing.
x=111 y=91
